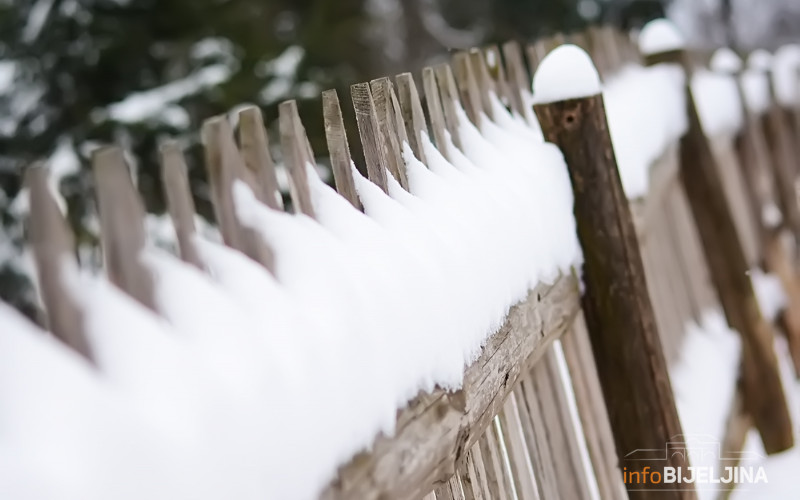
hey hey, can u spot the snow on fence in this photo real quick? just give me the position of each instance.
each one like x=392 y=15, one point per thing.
x=420 y=331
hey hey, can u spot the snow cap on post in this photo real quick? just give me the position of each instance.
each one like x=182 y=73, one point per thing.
x=760 y=60
x=659 y=36
x=726 y=61
x=567 y=72
x=786 y=71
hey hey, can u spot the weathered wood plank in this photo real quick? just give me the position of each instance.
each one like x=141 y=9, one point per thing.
x=122 y=226
x=440 y=427
x=254 y=144
x=435 y=110
x=413 y=116
x=592 y=412
x=225 y=166
x=473 y=475
x=180 y=204
x=339 y=149
x=390 y=146
x=518 y=81
x=369 y=130
x=53 y=247
x=519 y=459
x=448 y=91
x=495 y=466
x=297 y=155
x=468 y=86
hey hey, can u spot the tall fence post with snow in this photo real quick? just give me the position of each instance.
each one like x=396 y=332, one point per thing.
x=631 y=366
x=661 y=43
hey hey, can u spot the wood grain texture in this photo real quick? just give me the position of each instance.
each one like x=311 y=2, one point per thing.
x=53 y=246
x=483 y=82
x=254 y=144
x=435 y=430
x=297 y=156
x=468 y=86
x=435 y=110
x=122 y=226
x=413 y=116
x=448 y=91
x=592 y=412
x=338 y=147
x=225 y=166
x=180 y=204
x=369 y=131
x=517 y=449
x=619 y=315
x=389 y=140
x=519 y=82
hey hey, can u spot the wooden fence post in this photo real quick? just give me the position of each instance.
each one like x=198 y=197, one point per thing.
x=338 y=148
x=254 y=143
x=619 y=316
x=752 y=152
x=764 y=394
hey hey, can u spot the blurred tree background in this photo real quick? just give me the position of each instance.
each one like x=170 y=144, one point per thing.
x=78 y=73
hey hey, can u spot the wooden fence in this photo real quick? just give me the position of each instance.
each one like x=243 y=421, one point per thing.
x=513 y=431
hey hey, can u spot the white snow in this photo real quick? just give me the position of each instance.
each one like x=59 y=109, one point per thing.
x=755 y=84
x=718 y=102
x=786 y=75
x=704 y=383
x=567 y=72
x=725 y=60
x=646 y=115
x=227 y=386
x=660 y=35
x=760 y=60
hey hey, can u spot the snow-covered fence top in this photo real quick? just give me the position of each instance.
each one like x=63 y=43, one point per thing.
x=381 y=338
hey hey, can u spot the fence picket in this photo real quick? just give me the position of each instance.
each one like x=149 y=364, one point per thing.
x=180 y=204
x=369 y=131
x=122 y=225
x=53 y=246
x=435 y=111
x=413 y=116
x=339 y=149
x=254 y=144
x=388 y=138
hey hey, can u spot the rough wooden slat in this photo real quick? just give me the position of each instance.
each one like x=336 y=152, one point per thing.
x=369 y=130
x=497 y=72
x=495 y=467
x=483 y=82
x=473 y=475
x=180 y=204
x=518 y=81
x=388 y=137
x=571 y=480
x=339 y=149
x=225 y=166
x=468 y=86
x=297 y=155
x=592 y=412
x=537 y=440
x=413 y=116
x=441 y=427
x=122 y=225
x=254 y=144
x=448 y=92
x=519 y=459
x=54 y=247
x=435 y=110
x=450 y=490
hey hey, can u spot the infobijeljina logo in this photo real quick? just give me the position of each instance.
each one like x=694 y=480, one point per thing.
x=692 y=461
